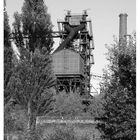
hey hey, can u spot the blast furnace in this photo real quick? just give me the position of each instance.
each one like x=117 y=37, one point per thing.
x=73 y=59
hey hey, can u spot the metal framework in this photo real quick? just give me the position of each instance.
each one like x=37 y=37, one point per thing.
x=75 y=33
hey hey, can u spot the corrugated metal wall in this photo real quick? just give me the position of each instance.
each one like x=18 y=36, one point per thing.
x=68 y=62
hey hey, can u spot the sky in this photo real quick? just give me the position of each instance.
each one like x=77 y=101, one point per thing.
x=105 y=22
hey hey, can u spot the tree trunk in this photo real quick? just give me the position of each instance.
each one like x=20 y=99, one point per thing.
x=31 y=122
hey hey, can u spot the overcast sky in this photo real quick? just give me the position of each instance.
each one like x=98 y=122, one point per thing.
x=104 y=16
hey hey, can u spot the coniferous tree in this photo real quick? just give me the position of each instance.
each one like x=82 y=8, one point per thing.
x=7 y=55
x=34 y=25
x=8 y=66
x=32 y=78
x=30 y=83
x=118 y=122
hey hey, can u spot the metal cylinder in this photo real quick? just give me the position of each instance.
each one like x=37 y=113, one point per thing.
x=123 y=26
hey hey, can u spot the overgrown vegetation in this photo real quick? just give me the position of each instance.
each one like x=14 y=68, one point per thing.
x=119 y=89
x=68 y=105
x=28 y=83
x=65 y=133
x=8 y=52
x=95 y=109
x=35 y=24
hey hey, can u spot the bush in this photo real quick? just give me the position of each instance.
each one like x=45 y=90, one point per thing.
x=62 y=134
x=85 y=138
x=65 y=134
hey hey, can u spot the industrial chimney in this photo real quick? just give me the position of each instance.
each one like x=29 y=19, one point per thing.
x=122 y=27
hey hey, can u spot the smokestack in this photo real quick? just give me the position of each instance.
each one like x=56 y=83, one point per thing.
x=123 y=27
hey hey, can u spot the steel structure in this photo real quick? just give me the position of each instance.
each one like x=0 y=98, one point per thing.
x=75 y=33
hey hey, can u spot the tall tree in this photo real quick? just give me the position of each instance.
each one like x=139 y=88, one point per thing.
x=30 y=84
x=32 y=77
x=35 y=24
x=118 y=122
x=7 y=54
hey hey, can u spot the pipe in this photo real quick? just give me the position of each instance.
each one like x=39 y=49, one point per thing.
x=122 y=27
x=72 y=33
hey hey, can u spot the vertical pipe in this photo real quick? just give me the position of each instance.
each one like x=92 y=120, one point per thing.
x=122 y=35
x=91 y=34
x=122 y=27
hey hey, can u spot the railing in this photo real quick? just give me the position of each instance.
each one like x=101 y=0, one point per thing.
x=61 y=120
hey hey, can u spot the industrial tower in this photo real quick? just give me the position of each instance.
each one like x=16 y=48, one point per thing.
x=73 y=59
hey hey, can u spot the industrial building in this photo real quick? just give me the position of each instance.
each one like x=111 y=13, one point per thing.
x=73 y=59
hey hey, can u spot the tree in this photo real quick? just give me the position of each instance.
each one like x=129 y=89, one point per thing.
x=7 y=55
x=119 y=118
x=34 y=23
x=32 y=78
x=31 y=84
x=68 y=105
x=8 y=121
x=95 y=109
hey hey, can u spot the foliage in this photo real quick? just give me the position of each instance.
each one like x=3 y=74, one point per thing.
x=8 y=121
x=119 y=118
x=68 y=105
x=30 y=84
x=28 y=81
x=95 y=109
x=6 y=29
x=34 y=23
x=65 y=134
x=32 y=80
x=7 y=56
x=15 y=118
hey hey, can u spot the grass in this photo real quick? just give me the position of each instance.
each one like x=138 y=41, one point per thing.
x=81 y=132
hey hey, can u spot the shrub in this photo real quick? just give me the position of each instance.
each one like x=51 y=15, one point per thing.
x=65 y=133
x=62 y=134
